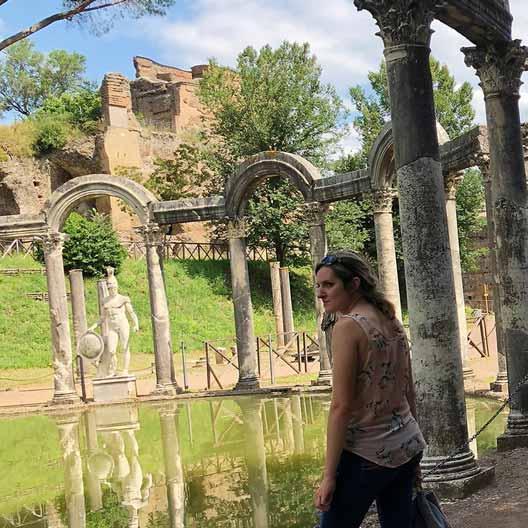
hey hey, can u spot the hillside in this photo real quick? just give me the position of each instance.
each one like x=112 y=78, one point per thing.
x=199 y=303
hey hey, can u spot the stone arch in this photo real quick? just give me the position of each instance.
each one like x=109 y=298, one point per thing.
x=301 y=173
x=68 y=195
x=381 y=156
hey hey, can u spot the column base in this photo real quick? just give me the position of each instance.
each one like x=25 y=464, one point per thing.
x=324 y=378
x=166 y=390
x=462 y=487
x=516 y=434
x=65 y=398
x=245 y=384
x=500 y=384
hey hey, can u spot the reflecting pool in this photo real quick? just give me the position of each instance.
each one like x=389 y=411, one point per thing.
x=237 y=462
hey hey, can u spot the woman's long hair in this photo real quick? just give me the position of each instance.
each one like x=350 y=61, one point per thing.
x=347 y=265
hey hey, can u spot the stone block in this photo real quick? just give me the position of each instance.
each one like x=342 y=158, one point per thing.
x=507 y=442
x=463 y=487
x=113 y=389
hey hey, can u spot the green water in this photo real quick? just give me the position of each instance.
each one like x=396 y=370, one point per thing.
x=244 y=462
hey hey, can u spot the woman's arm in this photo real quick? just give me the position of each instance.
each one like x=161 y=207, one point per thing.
x=347 y=337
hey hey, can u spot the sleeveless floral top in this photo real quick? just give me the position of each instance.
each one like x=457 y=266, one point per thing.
x=382 y=428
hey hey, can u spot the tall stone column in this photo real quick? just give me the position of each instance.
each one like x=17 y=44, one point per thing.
x=245 y=336
x=78 y=303
x=314 y=214
x=451 y=183
x=165 y=378
x=500 y=71
x=63 y=385
x=385 y=248
x=68 y=426
x=501 y=382
x=406 y=31
x=173 y=465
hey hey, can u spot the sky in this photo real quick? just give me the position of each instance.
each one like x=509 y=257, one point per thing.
x=194 y=31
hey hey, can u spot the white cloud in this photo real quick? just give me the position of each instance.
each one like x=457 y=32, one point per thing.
x=342 y=38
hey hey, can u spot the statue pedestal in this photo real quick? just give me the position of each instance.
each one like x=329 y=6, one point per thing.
x=116 y=388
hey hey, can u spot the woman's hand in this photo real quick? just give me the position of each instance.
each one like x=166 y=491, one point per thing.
x=324 y=494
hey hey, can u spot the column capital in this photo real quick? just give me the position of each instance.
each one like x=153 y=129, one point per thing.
x=499 y=68
x=152 y=234
x=451 y=183
x=236 y=228
x=314 y=213
x=402 y=22
x=382 y=200
x=53 y=241
x=482 y=161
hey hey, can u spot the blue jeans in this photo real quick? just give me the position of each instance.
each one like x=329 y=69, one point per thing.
x=359 y=482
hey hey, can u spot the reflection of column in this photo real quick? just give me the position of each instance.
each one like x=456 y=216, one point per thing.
x=63 y=386
x=68 y=427
x=405 y=28
x=256 y=460
x=93 y=485
x=314 y=214
x=298 y=432
x=385 y=248
x=501 y=382
x=500 y=71
x=471 y=411
x=165 y=379
x=288 y=439
x=173 y=465
x=245 y=336
x=451 y=183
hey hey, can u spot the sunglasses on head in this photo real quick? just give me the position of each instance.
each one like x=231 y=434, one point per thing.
x=329 y=260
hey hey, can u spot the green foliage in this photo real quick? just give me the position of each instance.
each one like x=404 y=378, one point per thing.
x=469 y=203
x=29 y=77
x=92 y=245
x=453 y=105
x=81 y=108
x=353 y=226
x=277 y=222
x=349 y=226
x=184 y=176
x=52 y=133
x=273 y=100
x=17 y=139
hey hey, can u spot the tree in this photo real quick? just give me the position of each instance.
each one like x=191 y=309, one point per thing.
x=98 y=13
x=28 y=77
x=453 y=105
x=272 y=100
x=454 y=112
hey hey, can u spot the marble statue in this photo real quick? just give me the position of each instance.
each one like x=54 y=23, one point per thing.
x=117 y=309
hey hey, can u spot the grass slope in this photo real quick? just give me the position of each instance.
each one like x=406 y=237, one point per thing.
x=199 y=302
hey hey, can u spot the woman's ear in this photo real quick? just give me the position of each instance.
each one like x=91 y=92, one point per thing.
x=354 y=284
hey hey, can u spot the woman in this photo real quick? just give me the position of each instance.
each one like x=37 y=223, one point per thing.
x=374 y=444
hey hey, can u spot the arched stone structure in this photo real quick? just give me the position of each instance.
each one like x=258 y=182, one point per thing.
x=239 y=188
x=305 y=177
x=56 y=210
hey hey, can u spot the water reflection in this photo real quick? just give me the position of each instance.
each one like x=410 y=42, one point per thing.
x=244 y=462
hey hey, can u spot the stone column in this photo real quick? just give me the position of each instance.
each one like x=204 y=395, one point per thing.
x=387 y=267
x=314 y=214
x=245 y=336
x=451 y=183
x=78 y=303
x=277 y=301
x=173 y=465
x=255 y=454
x=68 y=426
x=287 y=306
x=500 y=71
x=63 y=385
x=406 y=31
x=165 y=379
x=501 y=382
